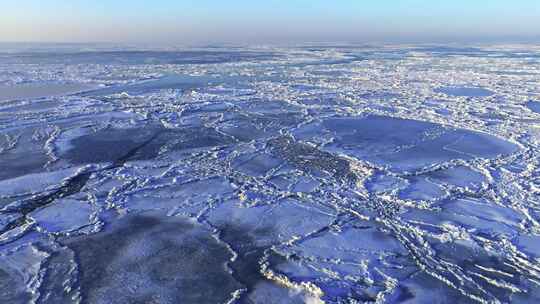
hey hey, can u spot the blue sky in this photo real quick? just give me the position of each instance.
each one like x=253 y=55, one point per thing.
x=260 y=21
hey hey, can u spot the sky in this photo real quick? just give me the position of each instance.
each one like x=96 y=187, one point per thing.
x=268 y=21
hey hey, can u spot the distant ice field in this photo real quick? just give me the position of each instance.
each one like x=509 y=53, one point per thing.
x=37 y=90
x=306 y=174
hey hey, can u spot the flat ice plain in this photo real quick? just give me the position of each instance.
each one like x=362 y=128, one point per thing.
x=309 y=174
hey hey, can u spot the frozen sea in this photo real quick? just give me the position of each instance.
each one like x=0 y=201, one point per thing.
x=307 y=174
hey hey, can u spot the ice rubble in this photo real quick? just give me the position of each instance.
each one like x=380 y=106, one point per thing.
x=312 y=174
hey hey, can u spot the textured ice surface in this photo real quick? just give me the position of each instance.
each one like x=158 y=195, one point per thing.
x=20 y=274
x=404 y=144
x=313 y=174
x=63 y=216
x=150 y=257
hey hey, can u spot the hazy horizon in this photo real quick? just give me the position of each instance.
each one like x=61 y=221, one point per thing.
x=241 y=22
